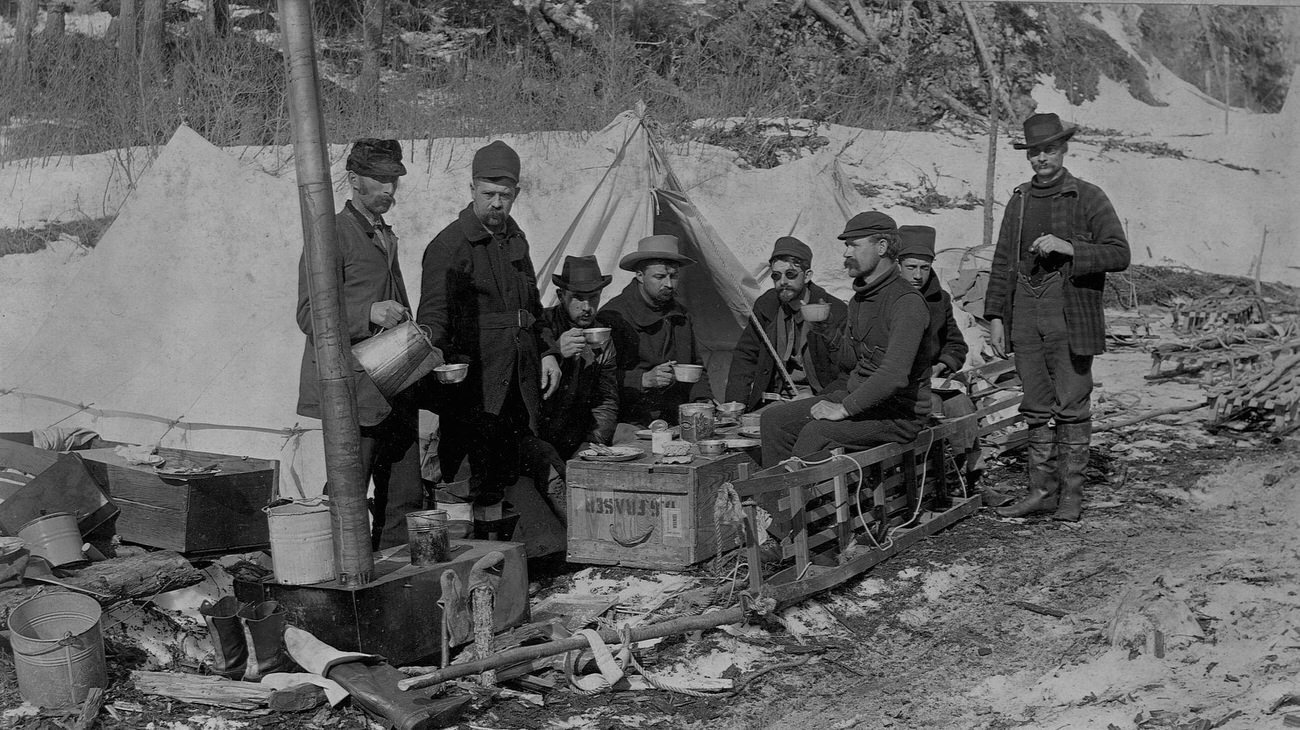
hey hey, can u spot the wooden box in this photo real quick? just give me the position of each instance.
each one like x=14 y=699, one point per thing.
x=221 y=512
x=35 y=482
x=397 y=613
x=645 y=514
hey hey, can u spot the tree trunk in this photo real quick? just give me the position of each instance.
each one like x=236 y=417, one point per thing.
x=342 y=434
x=372 y=51
x=55 y=23
x=152 y=32
x=22 y=58
x=837 y=21
x=126 y=40
x=217 y=18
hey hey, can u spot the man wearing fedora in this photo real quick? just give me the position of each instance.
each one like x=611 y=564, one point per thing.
x=884 y=361
x=805 y=348
x=479 y=298
x=585 y=408
x=652 y=332
x=1059 y=237
x=374 y=299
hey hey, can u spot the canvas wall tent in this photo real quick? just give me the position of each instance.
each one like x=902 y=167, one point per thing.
x=179 y=327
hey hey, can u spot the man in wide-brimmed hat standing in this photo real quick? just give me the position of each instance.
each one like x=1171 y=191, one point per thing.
x=1059 y=237
x=804 y=348
x=653 y=332
x=374 y=299
x=479 y=298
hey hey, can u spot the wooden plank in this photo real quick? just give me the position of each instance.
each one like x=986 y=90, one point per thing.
x=799 y=526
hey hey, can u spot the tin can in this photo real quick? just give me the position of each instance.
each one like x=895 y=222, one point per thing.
x=695 y=421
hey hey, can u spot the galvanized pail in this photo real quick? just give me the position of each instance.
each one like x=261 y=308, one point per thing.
x=54 y=537
x=58 y=648
x=397 y=357
x=302 y=542
x=695 y=421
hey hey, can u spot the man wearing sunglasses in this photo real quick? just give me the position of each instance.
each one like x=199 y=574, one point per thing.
x=805 y=348
x=1059 y=237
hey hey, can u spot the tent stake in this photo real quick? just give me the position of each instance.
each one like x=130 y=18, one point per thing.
x=342 y=434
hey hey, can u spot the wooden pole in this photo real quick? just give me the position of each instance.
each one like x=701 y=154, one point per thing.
x=986 y=59
x=342 y=434
x=1227 y=67
x=996 y=92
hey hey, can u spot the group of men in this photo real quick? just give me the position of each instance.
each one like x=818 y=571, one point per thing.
x=854 y=376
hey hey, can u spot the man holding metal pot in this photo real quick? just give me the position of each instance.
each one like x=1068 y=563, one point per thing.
x=374 y=299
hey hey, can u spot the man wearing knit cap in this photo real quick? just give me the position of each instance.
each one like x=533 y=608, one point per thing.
x=374 y=299
x=479 y=298
x=803 y=348
x=653 y=332
x=884 y=359
x=1059 y=237
x=947 y=345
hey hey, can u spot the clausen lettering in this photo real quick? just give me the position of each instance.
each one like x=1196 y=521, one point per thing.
x=629 y=506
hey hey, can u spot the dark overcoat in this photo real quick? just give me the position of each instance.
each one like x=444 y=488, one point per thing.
x=947 y=345
x=478 y=297
x=368 y=277
x=585 y=408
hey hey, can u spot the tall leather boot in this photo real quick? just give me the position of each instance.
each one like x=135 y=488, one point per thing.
x=1074 y=439
x=265 y=622
x=1044 y=478
x=227 y=636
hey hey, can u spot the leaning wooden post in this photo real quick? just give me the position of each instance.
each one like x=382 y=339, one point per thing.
x=356 y=563
x=996 y=92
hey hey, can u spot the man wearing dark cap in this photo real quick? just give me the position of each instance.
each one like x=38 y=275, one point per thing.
x=947 y=346
x=884 y=359
x=1059 y=237
x=479 y=298
x=653 y=332
x=804 y=348
x=374 y=299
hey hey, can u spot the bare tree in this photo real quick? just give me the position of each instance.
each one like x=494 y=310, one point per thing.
x=55 y=25
x=372 y=35
x=152 y=35
x=126 y=39
x=217 y=18
x=23 y=40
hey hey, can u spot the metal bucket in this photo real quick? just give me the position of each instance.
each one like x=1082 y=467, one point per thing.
x=58 y=648
x=426 y=533
x=54 y=537
x=695 y=421
x=397 y=357
x=302 y=542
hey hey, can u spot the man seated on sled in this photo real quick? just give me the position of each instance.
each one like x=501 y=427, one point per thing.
x=805 y=343
x=884 y=358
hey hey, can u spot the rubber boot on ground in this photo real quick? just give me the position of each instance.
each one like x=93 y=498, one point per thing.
x=227 y=636
x=1073 y=440
x=1044 y=477
x=265 y=622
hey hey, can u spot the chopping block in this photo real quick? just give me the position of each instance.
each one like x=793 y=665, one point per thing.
x=396 y=614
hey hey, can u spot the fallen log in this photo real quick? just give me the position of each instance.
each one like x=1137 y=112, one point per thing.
x=1041 y=610
x=1139 y=418
x=120 y=579
x=202 y=689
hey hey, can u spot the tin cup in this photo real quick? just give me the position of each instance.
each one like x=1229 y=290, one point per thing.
x=426 y=533
x=696 y=421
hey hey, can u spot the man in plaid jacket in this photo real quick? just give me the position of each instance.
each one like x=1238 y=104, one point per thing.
x=1059 y=237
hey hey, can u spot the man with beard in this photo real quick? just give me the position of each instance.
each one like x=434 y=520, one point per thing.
x=885 y=357
x=374 y=298
x=479 y=298
x=653 y=332
x=1059 y=237
x=806 y=348
x=585 y=408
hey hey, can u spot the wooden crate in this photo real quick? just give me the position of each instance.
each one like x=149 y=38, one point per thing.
x=644 y=514
x=217 y=513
